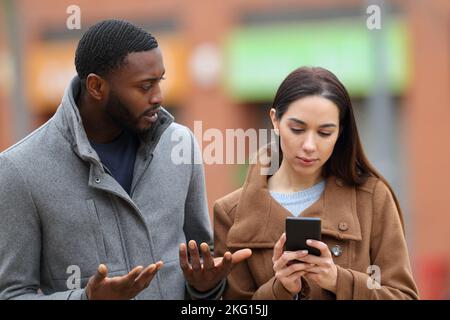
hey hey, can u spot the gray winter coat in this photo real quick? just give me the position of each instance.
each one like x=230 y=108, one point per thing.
x=60 y=210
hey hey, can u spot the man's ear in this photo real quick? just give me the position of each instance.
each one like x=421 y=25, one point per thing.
x=96 y=86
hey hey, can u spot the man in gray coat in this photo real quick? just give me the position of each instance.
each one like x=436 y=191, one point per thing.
x=92 y=205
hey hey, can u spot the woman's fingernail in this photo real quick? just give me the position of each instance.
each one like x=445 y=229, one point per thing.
x=304 y=252
x=308 y=241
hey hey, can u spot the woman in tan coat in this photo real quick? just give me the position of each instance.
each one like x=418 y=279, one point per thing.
x=323 y=173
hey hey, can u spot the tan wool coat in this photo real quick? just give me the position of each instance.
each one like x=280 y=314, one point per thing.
x=361 y=226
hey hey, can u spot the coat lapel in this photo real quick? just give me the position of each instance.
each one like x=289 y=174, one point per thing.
x=260 y=220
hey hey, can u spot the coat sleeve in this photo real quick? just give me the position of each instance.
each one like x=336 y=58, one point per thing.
x=388 y=254
x=20 y=238
x=197 y=224
x=240 y=282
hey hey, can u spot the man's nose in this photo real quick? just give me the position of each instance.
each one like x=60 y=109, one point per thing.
x=156 y=97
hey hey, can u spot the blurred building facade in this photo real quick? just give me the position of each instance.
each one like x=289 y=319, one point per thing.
x=224 y=61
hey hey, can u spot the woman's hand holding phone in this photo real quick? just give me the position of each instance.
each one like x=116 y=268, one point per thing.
x=324 y=271
x=305 y=234
x=289 y=274
x=319 y=269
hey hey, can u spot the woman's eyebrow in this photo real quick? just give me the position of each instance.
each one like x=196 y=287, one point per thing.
x=298 y=121
x=325 y=125
x=328 y=125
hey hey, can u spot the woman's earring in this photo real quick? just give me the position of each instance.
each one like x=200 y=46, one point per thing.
x=277 y=132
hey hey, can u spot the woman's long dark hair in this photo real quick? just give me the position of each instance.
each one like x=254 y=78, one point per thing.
x=348 y=160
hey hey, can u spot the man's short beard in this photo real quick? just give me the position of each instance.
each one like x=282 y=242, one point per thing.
x=121 y=116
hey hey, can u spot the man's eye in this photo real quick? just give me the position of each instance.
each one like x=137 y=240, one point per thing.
x=146 y=87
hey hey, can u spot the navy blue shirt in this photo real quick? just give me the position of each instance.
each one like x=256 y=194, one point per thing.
x=119 y=156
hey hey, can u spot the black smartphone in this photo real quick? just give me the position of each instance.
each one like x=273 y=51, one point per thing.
x=300 y=229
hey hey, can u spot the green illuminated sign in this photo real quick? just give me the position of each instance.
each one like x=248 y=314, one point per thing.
x=258 y=58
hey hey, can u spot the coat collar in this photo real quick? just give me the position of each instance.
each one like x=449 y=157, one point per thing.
x=260 y=220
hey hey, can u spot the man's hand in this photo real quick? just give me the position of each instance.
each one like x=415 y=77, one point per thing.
x=126 y=287
x=205 y=276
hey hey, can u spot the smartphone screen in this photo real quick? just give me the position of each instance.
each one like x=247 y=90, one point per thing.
x=300 y=229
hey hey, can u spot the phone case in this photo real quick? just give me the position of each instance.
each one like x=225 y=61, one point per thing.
x=300 y=229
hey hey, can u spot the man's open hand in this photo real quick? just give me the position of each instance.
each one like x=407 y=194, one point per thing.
x=126 y=287
x=205 y=276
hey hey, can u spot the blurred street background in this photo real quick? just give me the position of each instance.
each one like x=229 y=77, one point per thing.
x=224 y=61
